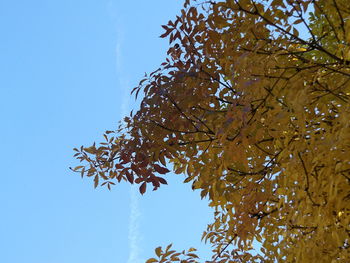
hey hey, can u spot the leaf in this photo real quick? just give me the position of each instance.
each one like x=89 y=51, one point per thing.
x=96 y=179
x=143 y=188
x=159 y=169
x=78 y=168
x=192 y=255
x=119 y=166
x=162 y=180
x=168 y=247
x=158 y=251
x=167 y=31
x=151 y=260
x=188 y=179
x=162 y=159
x=295 y=32
x=91 y=150
x=130 y=177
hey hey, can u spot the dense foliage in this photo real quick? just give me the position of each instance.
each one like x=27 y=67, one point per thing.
x=252 y=104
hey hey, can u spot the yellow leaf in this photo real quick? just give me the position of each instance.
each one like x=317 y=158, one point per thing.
x=158 y=251
x=151 y=260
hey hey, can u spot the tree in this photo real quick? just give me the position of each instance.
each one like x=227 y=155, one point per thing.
x=252 y=103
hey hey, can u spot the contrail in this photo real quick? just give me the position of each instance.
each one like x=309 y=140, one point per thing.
x=134 y=234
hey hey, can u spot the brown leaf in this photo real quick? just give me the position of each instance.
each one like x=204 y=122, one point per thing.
x=96 y=181
x=143 y=188
x=162 y=180
x=159 y=169
x=130 y=177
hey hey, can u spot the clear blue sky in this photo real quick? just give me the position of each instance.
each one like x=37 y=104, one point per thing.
x=66 y=69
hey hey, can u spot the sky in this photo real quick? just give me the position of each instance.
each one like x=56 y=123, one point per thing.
x=66 y=69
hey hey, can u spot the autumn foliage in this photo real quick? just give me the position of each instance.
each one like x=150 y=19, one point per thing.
x=252 y=104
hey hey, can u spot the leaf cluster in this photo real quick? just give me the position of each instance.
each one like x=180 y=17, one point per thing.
x=256 y=115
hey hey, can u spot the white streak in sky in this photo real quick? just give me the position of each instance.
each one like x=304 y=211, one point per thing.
x=124 y=85
x=134 y=234
x=118 y=56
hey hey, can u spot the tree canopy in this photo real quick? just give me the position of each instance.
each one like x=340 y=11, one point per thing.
x=252 y=104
